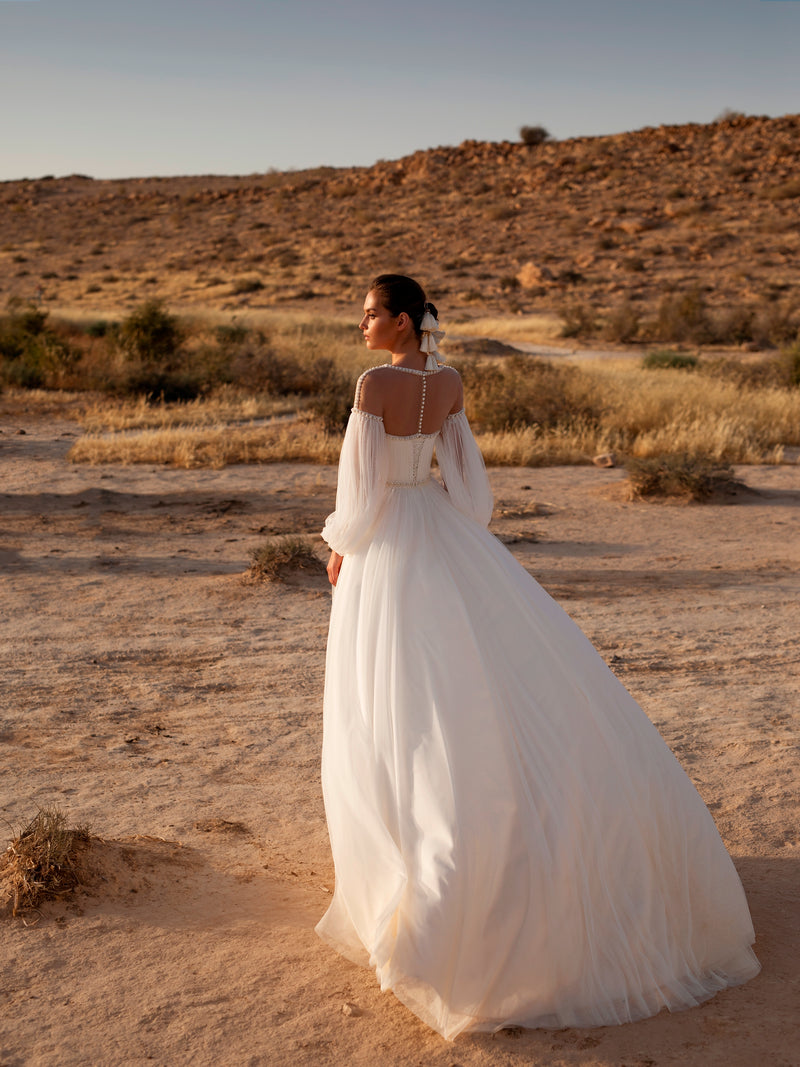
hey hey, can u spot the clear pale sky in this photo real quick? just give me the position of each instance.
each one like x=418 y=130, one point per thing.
x=162 y=87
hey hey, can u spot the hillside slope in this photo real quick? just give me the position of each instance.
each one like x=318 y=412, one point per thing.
x=497 y=227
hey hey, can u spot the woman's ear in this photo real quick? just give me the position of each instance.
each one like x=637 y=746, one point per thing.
x=403 y=320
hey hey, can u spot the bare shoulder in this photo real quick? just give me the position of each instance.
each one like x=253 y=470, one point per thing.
x=372 y=389
x=454 y=387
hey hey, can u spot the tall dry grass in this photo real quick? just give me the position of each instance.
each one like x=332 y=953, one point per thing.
x=226 y=405
x=300 y=441
x=303 y=366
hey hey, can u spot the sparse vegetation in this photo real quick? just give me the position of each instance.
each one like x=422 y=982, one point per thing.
x=42 y=862
x=661 y=358
x=686 y=318
x=273 y=561
x=688 y=477
x=533 y=135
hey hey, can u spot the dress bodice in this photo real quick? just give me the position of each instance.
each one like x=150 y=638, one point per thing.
x=410 y=456
x=409 y=459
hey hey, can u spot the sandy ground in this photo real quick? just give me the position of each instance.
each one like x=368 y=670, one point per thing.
x=149 y=692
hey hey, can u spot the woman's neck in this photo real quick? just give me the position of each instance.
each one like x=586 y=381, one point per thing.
x=408 y=355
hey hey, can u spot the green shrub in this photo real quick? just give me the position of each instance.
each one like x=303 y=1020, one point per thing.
x=33 y=354
x=151 y=337
x=661 y=358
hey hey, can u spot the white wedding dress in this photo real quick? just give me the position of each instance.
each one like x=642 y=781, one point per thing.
x=514 y=843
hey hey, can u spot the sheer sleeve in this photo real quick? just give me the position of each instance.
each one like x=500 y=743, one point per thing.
x=361 y=489
x=463 y=472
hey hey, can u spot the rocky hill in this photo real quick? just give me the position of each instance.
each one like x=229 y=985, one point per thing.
x=498 y=227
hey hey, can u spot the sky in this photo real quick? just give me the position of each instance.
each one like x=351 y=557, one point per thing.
x=164 y=87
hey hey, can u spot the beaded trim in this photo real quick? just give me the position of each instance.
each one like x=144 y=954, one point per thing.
x=409 y=485
x=367 y=415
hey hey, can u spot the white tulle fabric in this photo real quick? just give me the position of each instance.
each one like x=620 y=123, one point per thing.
x=513 y=841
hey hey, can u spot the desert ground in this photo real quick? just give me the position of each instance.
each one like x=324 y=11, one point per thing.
x=153 y=694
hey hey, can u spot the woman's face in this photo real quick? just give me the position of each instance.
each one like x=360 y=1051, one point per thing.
x=379 y=326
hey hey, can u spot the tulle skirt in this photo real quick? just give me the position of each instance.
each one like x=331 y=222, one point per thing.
x=514 y=843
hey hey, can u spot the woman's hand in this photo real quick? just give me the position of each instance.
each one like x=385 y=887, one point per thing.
x=334 y=566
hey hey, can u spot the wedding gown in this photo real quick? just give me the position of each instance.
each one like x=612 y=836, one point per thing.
x=514 y=843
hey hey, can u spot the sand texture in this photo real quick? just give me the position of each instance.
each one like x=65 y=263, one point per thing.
x=149 y=692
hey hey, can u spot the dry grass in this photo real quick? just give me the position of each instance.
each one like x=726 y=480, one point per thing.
x=579 y=411
x=695 y=478
x=42 y=861
x=301 y=441
x=226 y=405
x=535 y=329
x=274 y=560
x=653 y=413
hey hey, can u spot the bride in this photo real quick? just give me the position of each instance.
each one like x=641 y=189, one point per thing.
x=514 y=843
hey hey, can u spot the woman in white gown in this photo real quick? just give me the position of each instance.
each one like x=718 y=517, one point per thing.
x=514 y=843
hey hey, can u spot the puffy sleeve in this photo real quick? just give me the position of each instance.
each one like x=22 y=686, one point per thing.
x=463 y=471
x=361 y=489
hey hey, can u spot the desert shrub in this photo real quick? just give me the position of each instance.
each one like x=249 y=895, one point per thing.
x=533 y=135
x=622 y=324
x=332 y=394
x=692 y=477
x=771 y=372
x=684 y=317
x=42 y=861
x=151 y=337
x=789 y=362
x=33 y=353
x=271 y=562
x=661 y=358
x=150 y=341
x=519 y=392
x=98 y=328
x=777 y=324
x=579 y=320
x=231 y=333
x=735 y=326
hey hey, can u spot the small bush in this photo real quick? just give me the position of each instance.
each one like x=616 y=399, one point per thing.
x=622 y=324
x=42 y=861
x=684 y=317
x=533 y=135
x=33 y=354
x=688 y=477
x=272 y=561
x=332 y=395
x=519 y=392
x=579 y=321
x=151 y=337
x=232 y=333
x=98 y=328
x=668 y=358
x=789 y=362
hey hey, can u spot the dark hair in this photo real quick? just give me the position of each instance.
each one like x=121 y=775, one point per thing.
x=399 y=294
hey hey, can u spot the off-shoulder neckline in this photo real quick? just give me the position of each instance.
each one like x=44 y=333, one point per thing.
x=406 y=370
